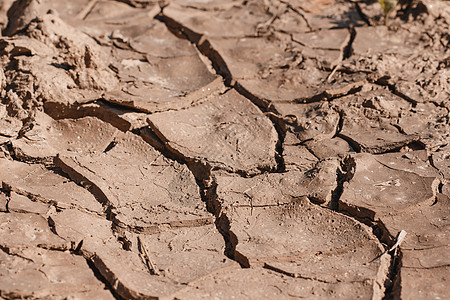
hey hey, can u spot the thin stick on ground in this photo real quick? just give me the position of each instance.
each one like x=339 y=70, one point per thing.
x=144 y=255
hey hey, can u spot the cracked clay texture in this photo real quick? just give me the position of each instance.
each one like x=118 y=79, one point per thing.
x=224 y=149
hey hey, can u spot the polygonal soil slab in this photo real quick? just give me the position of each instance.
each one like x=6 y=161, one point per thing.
x=187 y=254
x=39 y=273
x=325 y=148
x=43 y=185
x=275 y=189
x=147 y=191
x=293 y=230
x=226 y=132
x=376 y=189
x=85 y=136
x=288 y=237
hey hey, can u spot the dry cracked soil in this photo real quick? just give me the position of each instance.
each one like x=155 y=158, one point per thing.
x=224 y=149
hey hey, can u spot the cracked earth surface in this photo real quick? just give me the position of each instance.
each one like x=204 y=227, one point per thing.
x=206 y=149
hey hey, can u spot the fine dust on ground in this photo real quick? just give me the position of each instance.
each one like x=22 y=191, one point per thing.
x=210 y=149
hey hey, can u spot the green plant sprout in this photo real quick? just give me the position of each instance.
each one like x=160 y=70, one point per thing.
x=388 y=6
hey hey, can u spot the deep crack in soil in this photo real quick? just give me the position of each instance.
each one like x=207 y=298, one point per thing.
x=190 y=149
